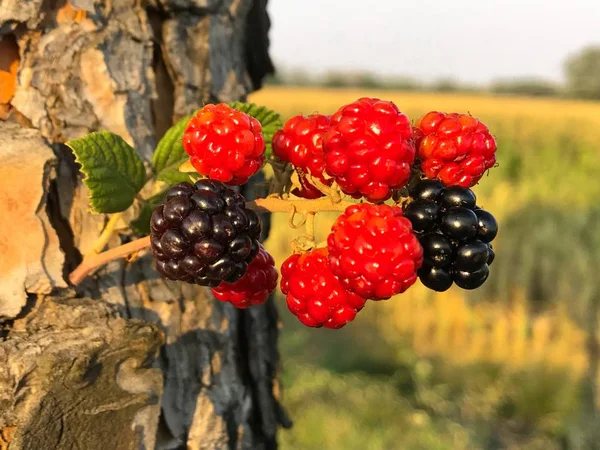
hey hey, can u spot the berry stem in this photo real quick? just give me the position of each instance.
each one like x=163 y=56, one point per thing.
x=270 y=204
x=107 y=232
x=310 y=225
x=277 y=204
x=92 y=262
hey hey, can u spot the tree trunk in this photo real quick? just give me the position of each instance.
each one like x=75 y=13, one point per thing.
x=126 y=360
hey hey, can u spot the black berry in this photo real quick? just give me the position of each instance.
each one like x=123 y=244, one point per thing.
x=423 y=214
x=435 y=278
x=471 y=256
x=488 y=227
x=458 y=196
x=491 y=255
x=427 y=190
x=471 y=280
x=455 y=235
x=459 y=223
x=437 y=250
x=204 y=234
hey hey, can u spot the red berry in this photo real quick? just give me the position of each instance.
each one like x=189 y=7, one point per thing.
x=373 y=251
x=369 y=149
x=300 y=142
x=314 y=294
x=254 y=287
x=455 y=148
x=224 y=144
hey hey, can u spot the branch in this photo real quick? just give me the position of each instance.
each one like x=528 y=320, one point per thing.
x=93 y=261
x=270 y=204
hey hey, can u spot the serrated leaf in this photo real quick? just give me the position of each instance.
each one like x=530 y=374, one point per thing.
x=269 y=119
x=114 y=173
x=141 y=225
x=169 y=153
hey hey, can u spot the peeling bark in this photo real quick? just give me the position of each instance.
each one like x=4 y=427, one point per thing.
x=129 y=360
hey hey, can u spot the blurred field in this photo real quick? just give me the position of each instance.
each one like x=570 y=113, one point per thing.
x=503 y=368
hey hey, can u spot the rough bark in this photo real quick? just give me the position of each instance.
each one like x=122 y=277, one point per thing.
x=128 y=360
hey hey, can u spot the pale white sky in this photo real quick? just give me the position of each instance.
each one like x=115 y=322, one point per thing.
x=470 y=40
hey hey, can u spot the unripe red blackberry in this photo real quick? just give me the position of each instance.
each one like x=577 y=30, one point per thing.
x=314 y=294
x=369 y=149
x=254 y=287
x=454 y=148
x=373 y=251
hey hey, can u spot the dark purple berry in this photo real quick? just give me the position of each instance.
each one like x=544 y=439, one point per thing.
x=457 y=196
x=204 y=234
x=193 y=265
x=174 y=270
x=207 y=185
x=233 y=198
x=423 y=214
x=173 y=244
x=240 y=248
x=240 y=271
x=184 y=189
x=254 y=224
x=471 y=280
x=208 y=202
x=435 y=278
x=488 y=227
x=208 y=250
x=222 y=268
x=223 y=229
x=176 y=209
x=157 y=221
x=427 y=190
x=471 y=256
x=437 y=250
x=196 y=225
x=459 y=223
x=238 y=218
x=491 y=255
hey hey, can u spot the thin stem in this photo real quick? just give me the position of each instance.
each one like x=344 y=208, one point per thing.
x=269 y=204
x=107 y=232
x=310 y=225
x=276 y=204
x=92 y=262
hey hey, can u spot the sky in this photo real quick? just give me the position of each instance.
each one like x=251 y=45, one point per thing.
x=474 y=41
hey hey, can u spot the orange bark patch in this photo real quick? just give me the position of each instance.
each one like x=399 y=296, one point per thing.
x=6 y=436
x=9 y=65
x=68 y=13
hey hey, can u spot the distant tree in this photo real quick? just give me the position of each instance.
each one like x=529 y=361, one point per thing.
x=582 y=71
x=335 y=79
x=366 y=80
x=446 y=85
x=402 y=84
x=525 y=86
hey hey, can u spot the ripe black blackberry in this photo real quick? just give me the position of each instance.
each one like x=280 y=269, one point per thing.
x=456 y=235
x=204 y=234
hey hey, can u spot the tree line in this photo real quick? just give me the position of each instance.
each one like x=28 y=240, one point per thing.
x=581 y=74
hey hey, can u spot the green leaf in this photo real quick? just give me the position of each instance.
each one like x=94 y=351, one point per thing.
x=169 y=153
x=141 y=225
x=113 y=171
x=269 y=119
x=173 y=176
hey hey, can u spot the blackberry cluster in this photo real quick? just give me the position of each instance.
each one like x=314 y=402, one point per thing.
x=456 y=235
x=204 y=234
